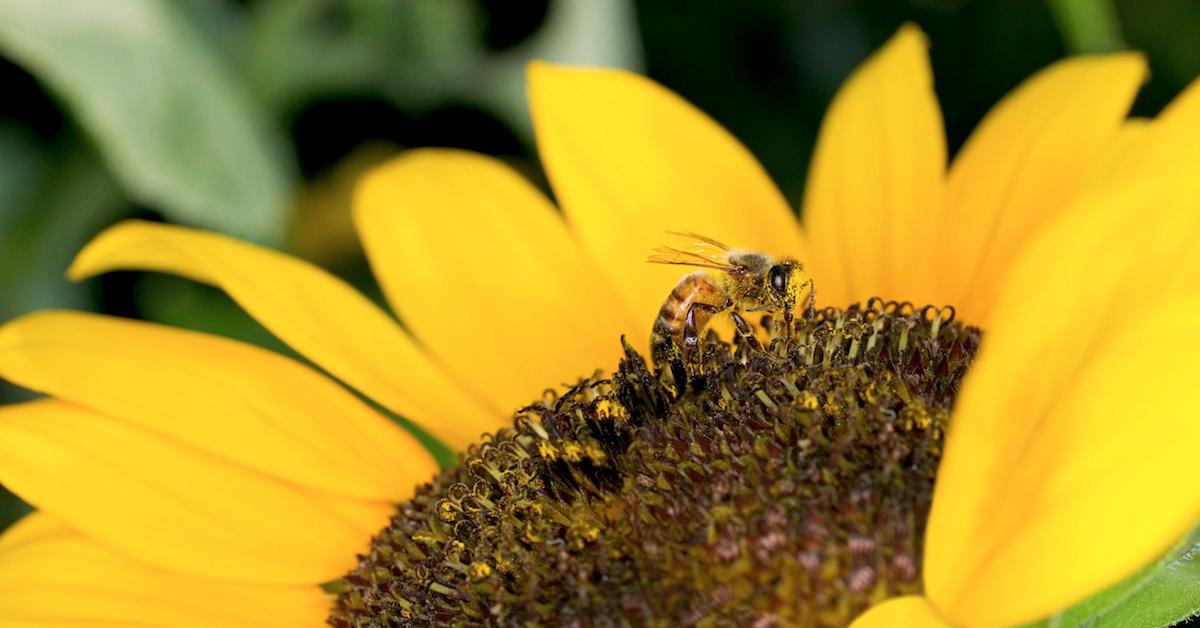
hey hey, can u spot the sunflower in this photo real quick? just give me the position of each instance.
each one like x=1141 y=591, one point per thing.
x=184 y=479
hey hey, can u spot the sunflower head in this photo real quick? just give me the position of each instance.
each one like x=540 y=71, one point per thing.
x=786 y=485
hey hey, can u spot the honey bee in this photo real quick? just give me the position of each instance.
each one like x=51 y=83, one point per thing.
x=746 y=281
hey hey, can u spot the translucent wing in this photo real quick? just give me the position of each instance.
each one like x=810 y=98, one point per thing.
x=668 y=255
x=699 y=240
x=700 y=252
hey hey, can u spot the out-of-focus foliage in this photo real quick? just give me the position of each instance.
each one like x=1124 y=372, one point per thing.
x=767 y=68
x=1168 y=31
x=170 y=121
x=1087 y=25
x=421 y=53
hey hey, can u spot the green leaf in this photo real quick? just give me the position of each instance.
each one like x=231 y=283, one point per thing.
x=1171 y=593
x=168 y=117
x=1162 y=594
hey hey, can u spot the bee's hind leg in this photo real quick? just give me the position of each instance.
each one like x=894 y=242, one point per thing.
x=669 y=359
x=746 y=331
x=678 y=366
x=692 y=353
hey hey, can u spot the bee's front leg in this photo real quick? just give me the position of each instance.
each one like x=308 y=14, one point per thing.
x=810 y=309
x=745 y=331
x=811 y=312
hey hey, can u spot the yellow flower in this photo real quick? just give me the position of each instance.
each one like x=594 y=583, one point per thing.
x=184 y=479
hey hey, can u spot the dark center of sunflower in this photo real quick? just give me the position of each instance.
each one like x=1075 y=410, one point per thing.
x=779 y=486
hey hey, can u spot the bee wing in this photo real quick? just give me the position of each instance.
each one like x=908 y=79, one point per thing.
x=700 y=239
x=680 y=257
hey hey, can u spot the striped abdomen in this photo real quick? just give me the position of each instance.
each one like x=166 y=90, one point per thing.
x=668 y=336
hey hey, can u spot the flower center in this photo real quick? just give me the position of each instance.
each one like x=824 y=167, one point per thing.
x=787 y=485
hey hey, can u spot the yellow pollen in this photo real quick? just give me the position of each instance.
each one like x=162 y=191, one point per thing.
x=572 y=452
x=607 y=409
x=594 y=452
x=479 y=570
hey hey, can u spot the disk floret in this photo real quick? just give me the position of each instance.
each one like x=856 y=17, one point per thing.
x=779 y=486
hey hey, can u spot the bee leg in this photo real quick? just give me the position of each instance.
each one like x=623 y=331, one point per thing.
x=812 y=299
x=679 y=374
x=691 y=332
x=745 y=331
x=672 y=361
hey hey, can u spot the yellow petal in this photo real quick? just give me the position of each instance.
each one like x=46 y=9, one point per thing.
x=480 y=266
x=50 y=575
x=1172 y=141
x=1069 y=460
x=160 y=501
x=1030 y=155
x=877 y=177
x=629 y=160
x=1130 y=135
x=227 y=398
x=314 y=312
x=903 y=612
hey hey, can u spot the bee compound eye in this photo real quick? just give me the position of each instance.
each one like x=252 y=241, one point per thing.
x=779 y=278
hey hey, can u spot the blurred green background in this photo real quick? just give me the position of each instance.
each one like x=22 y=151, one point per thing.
x=253 y=118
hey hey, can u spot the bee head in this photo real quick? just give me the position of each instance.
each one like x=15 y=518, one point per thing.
x=783 y=283
x=779 y=279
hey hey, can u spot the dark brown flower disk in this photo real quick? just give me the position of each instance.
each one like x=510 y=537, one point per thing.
x=785 y=486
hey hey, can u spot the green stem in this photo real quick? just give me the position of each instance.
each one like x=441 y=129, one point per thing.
x=1088 y=26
